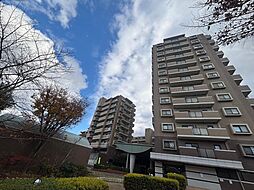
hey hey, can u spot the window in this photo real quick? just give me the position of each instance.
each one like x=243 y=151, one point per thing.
x=191 y=99
x=165 y=100
x=212 y=75
x=232 y=111
x=185 y=78
x=183 y=69
x=163 y=90
x=162 y=72
x=204 y=59
x=160 y=59
x=240 y=129
x=194 y=145
x=197 y=46
x=193 y=37
x=162 y=65
x=200 y=131
x=208 y=66
x=160 y=53
x=200 y=52
x=169 y=144
x=167 y=127
x=217 y=147
x=188 y=88
x=160 y=48
x=195 y=41
x=218 y=85
x=195 y=113
x=166 y=112
x=248 y=150
x=163 y=80
x=224 y=97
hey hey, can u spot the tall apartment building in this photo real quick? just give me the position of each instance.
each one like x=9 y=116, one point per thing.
x=112 y=121
x=203 y=119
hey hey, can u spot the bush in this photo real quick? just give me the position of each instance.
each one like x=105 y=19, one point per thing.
x=80 y=183
x=139 y=181
x=180 y=178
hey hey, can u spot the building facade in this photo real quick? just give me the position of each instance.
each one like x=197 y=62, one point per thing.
x=147 y=139
x=112 y=122
x=203 y=119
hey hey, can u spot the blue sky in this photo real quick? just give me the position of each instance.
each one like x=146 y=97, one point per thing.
x=111 y=44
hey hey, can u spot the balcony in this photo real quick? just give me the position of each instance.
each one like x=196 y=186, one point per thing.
x=107 y=129
x=190 y=71
x=179 y=50
x=96 y=137
x=197 y=90
x=245 y=89
x=105 y=136
x=205 y=116
x=231 y=69
x=209 y=153
x=175 y=39
x=100 y=124
x=103 y=145
x=102 y=118
x=187 y=63
x=251 y=101
x=220 y=54
x=194 y=80
x=216 y=47
x=202 y=102
x=212 y=42
x=98 y=130
x=219 y=134
x=225 y=61
x=95 y=144
x=238 y=79
x=180 y=56
x=176 y=45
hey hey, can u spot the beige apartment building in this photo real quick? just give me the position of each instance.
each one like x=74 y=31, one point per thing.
x=202 y=116
x=112 y=122
x=147 y=139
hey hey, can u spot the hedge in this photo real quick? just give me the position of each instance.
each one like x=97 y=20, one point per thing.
x=79 y=183
x=180 y=178
x=139 y=181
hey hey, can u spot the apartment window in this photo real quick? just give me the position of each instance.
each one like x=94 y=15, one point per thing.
x=217 y=147
x=240 y=129
x=208 y=66
x=204 y=59
x=197 y=46
x=163 y=90
x=183 y=69
x=162 y=72
x=194 y=145
x=188 y=88
x=165 y=100
x=200 y=131
x=191 y=99
x=160 y=53
x=162 y=65
x=169 y=144
x=163 y=80
x=160 y=48
x=166 y=112
x=224 y=97
x=161 y=59
x=218 y=85
x=248 y=150
x=195 y=113
x=167 y=127
x=212 y=75
x=231 y=111
x=200 y=52
x=185 y=78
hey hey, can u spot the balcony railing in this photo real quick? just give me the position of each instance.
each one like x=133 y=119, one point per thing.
x=204 y=101
x=245 y=89
x=238 y=79
x=220 y=134
x=220 y=54
x=173 y=51
x=176 y=45
x=193 y=80
x=180 y=56
x=225 y=61
x=182 y=72
x=96 y=137
x=231 y=69
x=98 y=130
x=187 y=63
x=208 y=153
x=197 y=90
x=204 y=116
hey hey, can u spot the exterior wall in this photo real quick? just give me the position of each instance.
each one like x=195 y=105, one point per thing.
x=15 y=153
x=178 y=69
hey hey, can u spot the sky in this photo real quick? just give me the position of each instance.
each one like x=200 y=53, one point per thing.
x=110 y=43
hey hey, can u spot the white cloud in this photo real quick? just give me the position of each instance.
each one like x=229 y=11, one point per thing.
x=126 y=68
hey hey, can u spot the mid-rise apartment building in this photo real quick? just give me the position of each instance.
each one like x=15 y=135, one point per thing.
x=112 y=122
x=147 y=139
x=203 y=119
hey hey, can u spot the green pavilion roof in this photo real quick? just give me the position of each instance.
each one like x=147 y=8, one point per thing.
x=132 y=148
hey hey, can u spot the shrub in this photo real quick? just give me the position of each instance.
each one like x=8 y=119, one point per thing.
x=80 y=183
x=139 y=181
x=180 y=178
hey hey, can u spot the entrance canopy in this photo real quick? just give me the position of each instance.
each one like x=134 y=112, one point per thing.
x=132 y=148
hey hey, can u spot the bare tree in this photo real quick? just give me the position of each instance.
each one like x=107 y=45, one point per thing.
x=26 y=59
x=232 y=19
